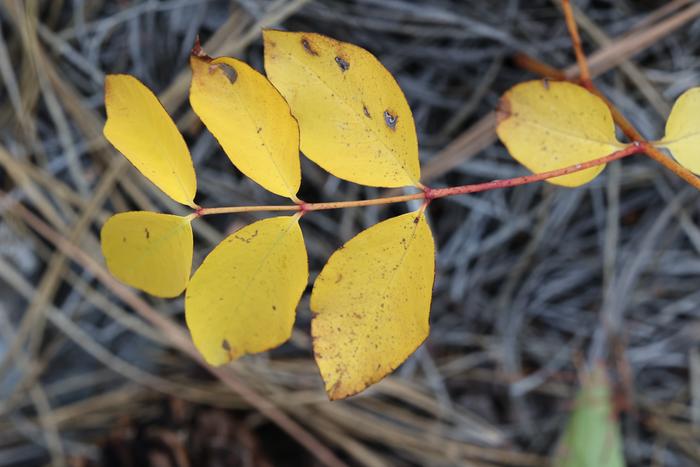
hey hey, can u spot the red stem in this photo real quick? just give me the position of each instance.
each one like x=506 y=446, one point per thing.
x=634 y=148
x=430 y=194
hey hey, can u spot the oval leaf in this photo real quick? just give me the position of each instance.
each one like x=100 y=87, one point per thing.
x=140 y=128
x=250 y=119
x=243 y=297
x=550 y=125
x=353 y=118
x=371 y=303
x=149 y=251
x=683 y=130
x=592 y=436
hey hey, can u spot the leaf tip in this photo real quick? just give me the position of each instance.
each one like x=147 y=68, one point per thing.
x=197 y=50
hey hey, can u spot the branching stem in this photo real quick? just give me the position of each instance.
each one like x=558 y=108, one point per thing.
x=542 y=69
x=584 y=73
x=429 y=194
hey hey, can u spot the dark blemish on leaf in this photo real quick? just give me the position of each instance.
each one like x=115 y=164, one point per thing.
x=416 y=220
x=340 y=278
x=225 y=345
x=259 y=130
x=307 y=46
x=148 y=234
x=503 y=111
x=274 y=307
x=342 y=64
x=365 y=111
x=124 y=239
x=229 y=71
x=390 y=119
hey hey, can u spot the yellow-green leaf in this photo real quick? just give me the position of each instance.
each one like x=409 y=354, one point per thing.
x=243 y=297
x=149 y=251
x=250 y=119
x=140 y=128
x=683 y=130
x=592 y=436
x=371 y=303
x=353 y=118
x=551 y=125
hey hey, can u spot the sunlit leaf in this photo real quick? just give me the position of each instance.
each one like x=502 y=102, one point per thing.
x=371 y=303
x=149 y=251
x=683 y=130
x=592 y=436
x=250 y=119
x=140 y=128
x=550 y=125
x=353 y=118
x=243 y=297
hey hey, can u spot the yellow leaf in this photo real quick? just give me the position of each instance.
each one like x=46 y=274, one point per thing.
x=354 y=120
x=149 y=251
x=550 y=125
x=250 y=119
x=243 y=297
x=371 y=303
x=683 y=130
x=140 y=128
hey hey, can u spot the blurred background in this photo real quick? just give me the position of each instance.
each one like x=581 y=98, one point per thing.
x=533 y=283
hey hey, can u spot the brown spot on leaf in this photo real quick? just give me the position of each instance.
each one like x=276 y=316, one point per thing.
x=148 y=234
x=390 y=119
x=503 y=111
x=365 y=111
x=307 y=46
x=229 y=350
x=340 y=278
x=343 y=64
x=228 y=71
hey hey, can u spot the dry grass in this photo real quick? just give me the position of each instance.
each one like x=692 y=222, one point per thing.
x=532 y=282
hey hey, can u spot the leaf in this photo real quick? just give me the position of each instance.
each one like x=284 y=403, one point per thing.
x=354 y=120
x=149 y=251
x=592 y=435
x=140 y=128
x=551 y=125
x=371 y=303
x=250 y=119
x=243 y=297
x=683 y=130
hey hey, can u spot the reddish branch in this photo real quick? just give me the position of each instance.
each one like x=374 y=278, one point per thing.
x=429 y=194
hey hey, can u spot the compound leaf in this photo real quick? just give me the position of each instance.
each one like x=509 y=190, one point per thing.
x=140 y=128
x=243 y=297
x=354 y=120
x=683 y=130
x=550 y=125
x=149 y=251
x=250 y=119
x=371 y=303
x=592 y=436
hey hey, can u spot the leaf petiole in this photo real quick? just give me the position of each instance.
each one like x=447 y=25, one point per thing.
x=429 y=194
